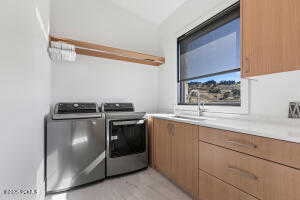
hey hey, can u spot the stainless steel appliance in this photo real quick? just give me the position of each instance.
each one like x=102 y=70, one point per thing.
x=75 y=146
x=127 y=141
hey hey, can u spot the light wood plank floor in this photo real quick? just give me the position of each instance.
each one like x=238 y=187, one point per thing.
x=144 y=185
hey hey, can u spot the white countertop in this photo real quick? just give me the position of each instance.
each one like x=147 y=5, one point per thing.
x=287 y=129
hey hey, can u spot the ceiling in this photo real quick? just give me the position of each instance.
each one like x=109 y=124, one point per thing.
x=154 y=11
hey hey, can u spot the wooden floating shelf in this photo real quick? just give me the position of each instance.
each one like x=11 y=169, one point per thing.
x=96 y=50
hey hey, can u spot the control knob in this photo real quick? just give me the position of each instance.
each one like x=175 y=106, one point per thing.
x=75 y=105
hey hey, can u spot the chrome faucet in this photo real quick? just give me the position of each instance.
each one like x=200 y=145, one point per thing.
x=201 y=104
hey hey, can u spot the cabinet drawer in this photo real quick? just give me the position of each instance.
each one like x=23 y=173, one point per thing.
x=286 y=153
x=262 y=179
x=211 y=188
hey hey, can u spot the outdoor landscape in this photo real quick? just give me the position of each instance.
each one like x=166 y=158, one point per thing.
x=212 y=91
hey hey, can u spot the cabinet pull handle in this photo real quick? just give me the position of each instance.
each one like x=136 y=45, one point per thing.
x=171 y=129
x=242 y=144
x=246 y=65
x=243 y=172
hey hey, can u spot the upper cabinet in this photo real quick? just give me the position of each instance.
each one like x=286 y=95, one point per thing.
x=270 y=36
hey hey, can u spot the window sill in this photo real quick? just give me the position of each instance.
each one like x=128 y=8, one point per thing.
x=193 y=109
x=212 y=104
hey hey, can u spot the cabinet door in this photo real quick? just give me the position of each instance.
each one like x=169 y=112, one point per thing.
x=163 y=129
x=185 y=157
x=151 y=148
x=291 y=32
x=270 y=36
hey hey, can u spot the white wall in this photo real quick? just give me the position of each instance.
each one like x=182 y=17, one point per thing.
x=268 y=95
x=97 y=79
x=271 y=94
x=25 y=94
x=102 y=80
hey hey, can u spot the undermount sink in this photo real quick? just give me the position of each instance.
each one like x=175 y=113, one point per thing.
x=190 y=118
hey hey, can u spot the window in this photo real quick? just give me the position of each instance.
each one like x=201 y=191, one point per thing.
x=209 y=61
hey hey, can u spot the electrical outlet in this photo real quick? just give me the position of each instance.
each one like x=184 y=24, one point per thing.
x=294 y=110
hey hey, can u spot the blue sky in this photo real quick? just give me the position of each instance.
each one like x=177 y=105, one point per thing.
x=233 y=76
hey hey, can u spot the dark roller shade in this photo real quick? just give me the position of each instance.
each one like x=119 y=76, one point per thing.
x=211 y=49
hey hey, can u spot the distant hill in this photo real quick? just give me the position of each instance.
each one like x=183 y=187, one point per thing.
x=226 y=91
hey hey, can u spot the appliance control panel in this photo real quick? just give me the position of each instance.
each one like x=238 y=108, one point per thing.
x=117 y=107
x=69 y=108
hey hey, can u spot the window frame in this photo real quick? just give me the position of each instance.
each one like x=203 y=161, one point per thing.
x=209 y=25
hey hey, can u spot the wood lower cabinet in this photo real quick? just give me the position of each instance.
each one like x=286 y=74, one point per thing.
x=213 y=164
x=211 y=188
x=163 y=145
x=278 y=151
x=176 y=153
x=150 y=127
x=260 y=178
x=270 y=36
x=185 y=157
